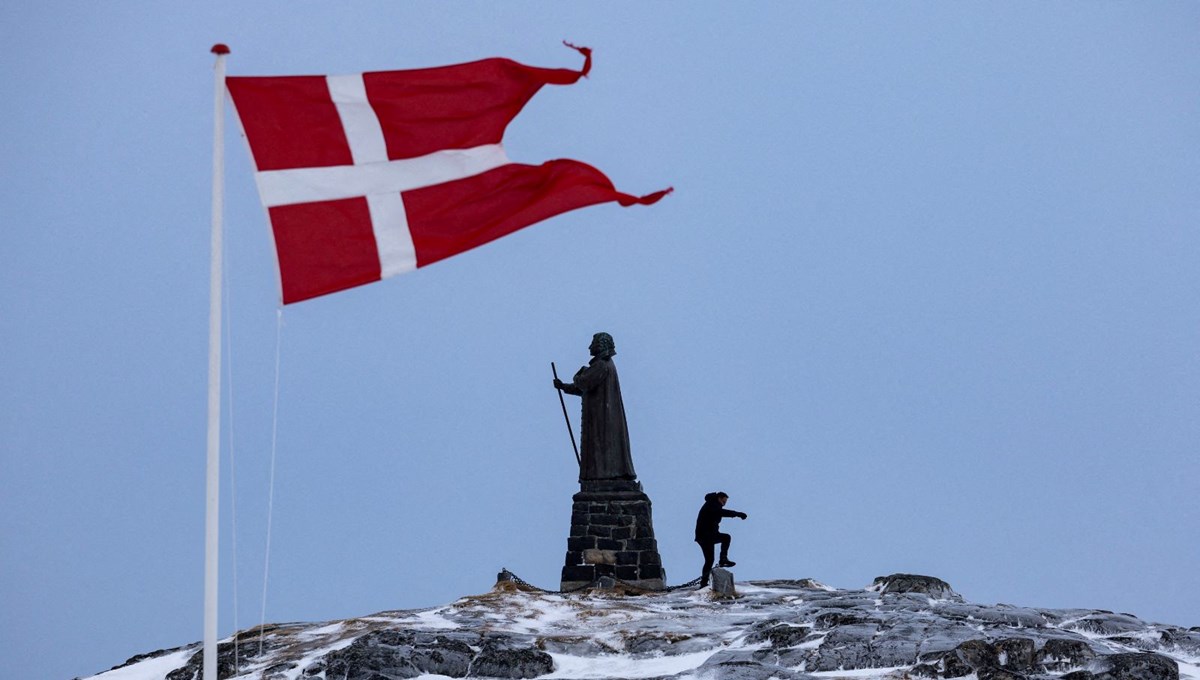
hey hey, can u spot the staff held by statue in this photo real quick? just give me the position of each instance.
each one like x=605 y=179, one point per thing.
x=561 y=401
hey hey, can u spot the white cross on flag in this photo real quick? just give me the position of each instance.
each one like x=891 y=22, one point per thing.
x=375 y=174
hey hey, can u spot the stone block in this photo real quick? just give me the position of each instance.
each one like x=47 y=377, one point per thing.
x=581 y=543
x=626 y=557
x=622 y=533
x=627 y=573
x=594 y=556
x=586 y=574
x=609 y=544
x=636 y=509
x=651 y=572
x=722 y=583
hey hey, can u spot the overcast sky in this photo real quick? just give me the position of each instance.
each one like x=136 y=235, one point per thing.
x=925 y=299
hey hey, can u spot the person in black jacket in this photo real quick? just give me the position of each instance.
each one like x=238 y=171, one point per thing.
x=708 y=531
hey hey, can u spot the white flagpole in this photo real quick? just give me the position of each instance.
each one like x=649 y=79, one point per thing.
x=213 y=483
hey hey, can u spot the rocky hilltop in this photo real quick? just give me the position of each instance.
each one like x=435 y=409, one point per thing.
x=902 y=626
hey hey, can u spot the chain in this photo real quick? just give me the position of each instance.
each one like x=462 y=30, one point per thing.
x=506 y=575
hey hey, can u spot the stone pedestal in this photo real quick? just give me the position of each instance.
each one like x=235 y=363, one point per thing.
x=612 y=534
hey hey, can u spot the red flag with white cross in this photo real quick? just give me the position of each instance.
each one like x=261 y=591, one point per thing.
x=371 y=175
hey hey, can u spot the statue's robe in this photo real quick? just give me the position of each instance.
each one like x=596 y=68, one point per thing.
x=604 y=435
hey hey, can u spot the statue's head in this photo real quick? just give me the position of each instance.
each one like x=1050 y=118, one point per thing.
x=602 y=346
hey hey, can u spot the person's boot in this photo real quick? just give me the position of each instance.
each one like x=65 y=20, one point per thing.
x=725 y=562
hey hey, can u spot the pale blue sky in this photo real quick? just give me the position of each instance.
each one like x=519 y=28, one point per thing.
x=925 y=299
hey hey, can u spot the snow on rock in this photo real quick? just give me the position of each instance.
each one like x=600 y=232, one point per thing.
x=903 y=626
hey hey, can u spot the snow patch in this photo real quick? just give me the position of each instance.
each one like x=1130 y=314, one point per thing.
x=620 y=666
x=1188 y=671
x=150 y=669
x=863 y=673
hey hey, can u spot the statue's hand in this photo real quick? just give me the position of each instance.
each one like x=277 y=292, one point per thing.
x=558 y=384
x=743 y=515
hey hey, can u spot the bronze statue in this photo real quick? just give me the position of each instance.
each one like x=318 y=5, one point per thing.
x=604 y=436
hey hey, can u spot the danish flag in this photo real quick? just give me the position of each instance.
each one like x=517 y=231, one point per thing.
x=371 y=175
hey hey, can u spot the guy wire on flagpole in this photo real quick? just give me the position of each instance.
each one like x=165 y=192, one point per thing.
x=262 y=624
x=212 y=478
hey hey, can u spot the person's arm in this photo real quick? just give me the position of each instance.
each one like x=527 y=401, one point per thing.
x=585 y=379
x=733 y=513
x=569 y=388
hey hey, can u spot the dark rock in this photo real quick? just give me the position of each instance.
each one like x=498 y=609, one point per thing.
x=654 y=643
x=1061 y=654
x=443 y=656
x=371 y=655
x=1000 y=614
x=994 y=673
x=406 y=654
x=230 y=655
x=574 y=645
x=953 y=667
x=1109 y=624
x=914 y=583
x=896 y=645
x=279 y=671
x=940 y=638
x=1016 y=654
x=780 y=635
x=924 y=670
x=801 y=584
x=1078 y=675
x=1187 y=640
x=1139 y=666
x=844 y=647
x=501 y=662
x=977 y=654
x=833 y=619
x=1134 y=642
x=730 y=665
